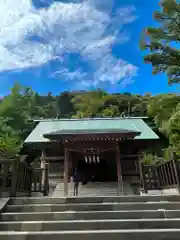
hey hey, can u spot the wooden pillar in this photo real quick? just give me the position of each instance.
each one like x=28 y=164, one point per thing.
x=66 y=175
x=119 y=171
x=43 y=164
x=46 y=179
x=143 y=188
x=14 y=178
x=70 y=172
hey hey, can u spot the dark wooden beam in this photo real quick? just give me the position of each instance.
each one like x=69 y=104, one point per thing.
x=66 y=168
x=43 y=162
x=99 y=137
x=123 y=135
x=87 y=147
x=119 y=171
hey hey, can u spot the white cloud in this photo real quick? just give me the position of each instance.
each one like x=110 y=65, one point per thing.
x=31 y=37
x=112 y=70
x=71 y=75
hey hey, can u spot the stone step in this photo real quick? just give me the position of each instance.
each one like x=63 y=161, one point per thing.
x=100 y=199
x=93 y=189
x=90 y=225
x=49 y=216
x=94 y=218
x=148 y=234
x=87 y=192
x=99 y=215
x=93 y=207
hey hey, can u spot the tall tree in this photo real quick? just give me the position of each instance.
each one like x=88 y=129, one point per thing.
x=161 y=108
x=21 y=106
x=163 y=41
x=175 y=129
x=89 y=104
x=65 y=107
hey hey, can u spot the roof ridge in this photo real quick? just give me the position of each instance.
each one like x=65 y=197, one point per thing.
x=87 y=119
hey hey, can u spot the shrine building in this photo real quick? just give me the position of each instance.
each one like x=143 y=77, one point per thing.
x=102 y=149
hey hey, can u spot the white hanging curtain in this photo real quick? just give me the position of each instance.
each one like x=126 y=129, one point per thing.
x=90 y=159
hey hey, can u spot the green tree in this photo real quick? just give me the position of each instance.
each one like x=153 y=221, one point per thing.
x=20 y=107
x=111 y=111
x=65 y=107
x=175 y=129
x=89 y=104
x=163 y=41
x=9 y=146
x=139 y=104
x=161 y=108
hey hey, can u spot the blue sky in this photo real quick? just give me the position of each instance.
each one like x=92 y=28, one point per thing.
x=54 y=46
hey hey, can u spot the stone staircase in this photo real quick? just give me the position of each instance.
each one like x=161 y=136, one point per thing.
x=93 y=189
x=91 y=218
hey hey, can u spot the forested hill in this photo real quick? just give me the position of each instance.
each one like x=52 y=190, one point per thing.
x=23 y=105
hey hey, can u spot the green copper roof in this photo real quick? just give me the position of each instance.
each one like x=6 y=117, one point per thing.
x=89 y=126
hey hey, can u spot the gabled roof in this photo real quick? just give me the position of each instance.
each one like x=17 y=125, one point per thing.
x=93 y=125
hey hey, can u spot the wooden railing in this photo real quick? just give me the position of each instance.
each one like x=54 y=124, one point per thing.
x=19 y=178
x=161 y=176
x=168 y=174
x=5 y=176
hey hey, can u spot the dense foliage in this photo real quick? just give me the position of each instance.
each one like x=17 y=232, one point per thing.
x=18 y=109
x=163 y=41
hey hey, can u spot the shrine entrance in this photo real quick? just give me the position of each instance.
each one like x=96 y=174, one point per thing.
x=91 y=147
x=96 y=168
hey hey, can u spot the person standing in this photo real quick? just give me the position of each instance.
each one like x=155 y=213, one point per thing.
x=76 y=179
